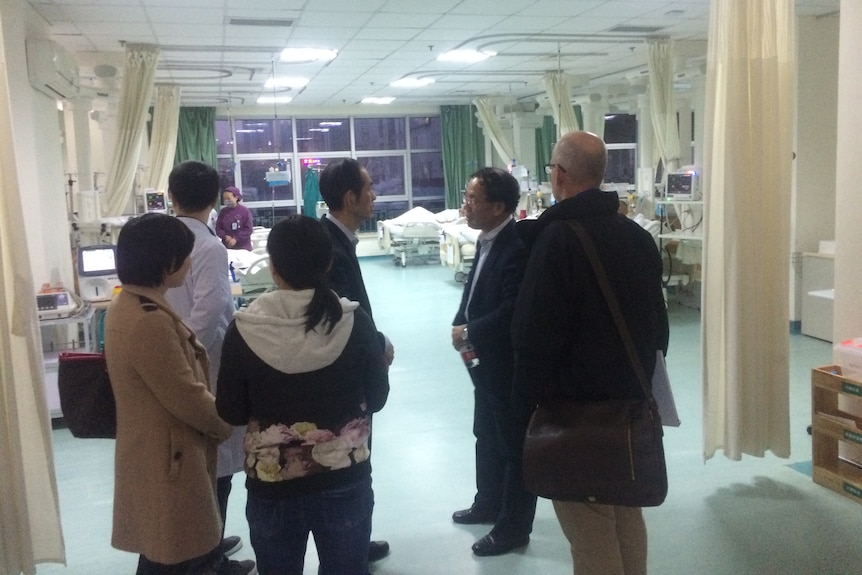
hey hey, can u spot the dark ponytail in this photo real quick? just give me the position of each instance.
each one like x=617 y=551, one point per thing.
x=300 y=251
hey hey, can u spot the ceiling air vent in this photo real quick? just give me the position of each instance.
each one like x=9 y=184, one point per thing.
x=269 y=22
x=636 y=29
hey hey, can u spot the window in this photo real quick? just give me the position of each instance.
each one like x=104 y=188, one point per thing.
x=259 y=184
x=621 y=164
x=254 y=136
x=224 y=137
x=425 y=133
x=379 y=133
x=621 y=136
x=328 y=135
x=387 y=174
x=403 y=156
x=426 y=169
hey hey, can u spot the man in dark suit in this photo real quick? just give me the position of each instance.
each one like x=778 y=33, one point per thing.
x=346 y=188
x=483 y=320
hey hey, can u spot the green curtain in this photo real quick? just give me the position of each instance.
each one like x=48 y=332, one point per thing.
x=463 y=149
x=311 y=195
x=546 y=137
x=196 y=136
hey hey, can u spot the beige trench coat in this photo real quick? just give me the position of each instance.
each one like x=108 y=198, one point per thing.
x=165 y=504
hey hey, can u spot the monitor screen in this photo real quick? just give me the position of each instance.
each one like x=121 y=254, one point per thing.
x=97 y=260
x=156 y=202
x=681 y=185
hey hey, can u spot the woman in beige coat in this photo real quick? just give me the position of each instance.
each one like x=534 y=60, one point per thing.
x=165 y=505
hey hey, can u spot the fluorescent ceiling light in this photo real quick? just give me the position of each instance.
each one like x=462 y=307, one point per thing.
x=465 y=56
x=378 y=100
x=308 y=55
x=329 y=123
x=412 y=82
x=286 y=82
x=318 y=130
x=274 y=99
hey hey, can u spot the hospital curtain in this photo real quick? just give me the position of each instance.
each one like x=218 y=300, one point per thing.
x=747 y=168
x=492 y=129
x=546 y=137
x=663 y=103
x=30 y=530
x=311 y=194
x=163 y=142
x=463 y=149
x=196 y=138
x=559 y=95
x=135 y=96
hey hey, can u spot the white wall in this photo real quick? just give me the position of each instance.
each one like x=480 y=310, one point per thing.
x=813 y=197
x=38 y=152
x=817 y=99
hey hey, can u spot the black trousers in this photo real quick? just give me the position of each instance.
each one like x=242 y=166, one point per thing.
x=499 y=476
x=223 y=487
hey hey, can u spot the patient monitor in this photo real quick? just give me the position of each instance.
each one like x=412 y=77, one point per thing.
x=97 y=272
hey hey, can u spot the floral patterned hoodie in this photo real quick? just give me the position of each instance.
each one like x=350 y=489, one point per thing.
x=306 y=396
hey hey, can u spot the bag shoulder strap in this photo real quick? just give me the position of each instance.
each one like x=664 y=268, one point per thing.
x=613 y=304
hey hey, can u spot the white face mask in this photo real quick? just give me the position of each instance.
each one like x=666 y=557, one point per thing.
x=230 y=204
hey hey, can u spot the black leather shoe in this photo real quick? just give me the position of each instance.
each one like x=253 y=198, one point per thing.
x=495 y=544
x=474 y=516
x=377 y=550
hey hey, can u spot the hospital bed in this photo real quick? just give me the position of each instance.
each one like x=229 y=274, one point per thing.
x=458 y=247
x=251 y=270
x=412 y=236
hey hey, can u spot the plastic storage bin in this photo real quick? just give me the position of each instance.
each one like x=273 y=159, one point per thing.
x=849 y=356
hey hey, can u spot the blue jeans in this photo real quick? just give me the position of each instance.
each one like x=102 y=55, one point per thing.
x=339 y=519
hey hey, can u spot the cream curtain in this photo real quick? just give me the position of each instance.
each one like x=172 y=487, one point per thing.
x=492 y=128
x=163 y=142
x=560 y=97
x=747 y=164
x=30 y=530
x=135 y=96
x=663 y=103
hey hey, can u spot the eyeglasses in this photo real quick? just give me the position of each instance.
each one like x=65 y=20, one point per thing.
x=473 y=200
x=549 y=167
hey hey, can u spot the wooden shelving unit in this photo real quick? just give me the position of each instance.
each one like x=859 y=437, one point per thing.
x=836 y=431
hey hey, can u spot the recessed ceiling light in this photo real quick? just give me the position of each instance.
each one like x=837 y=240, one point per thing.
x=286 y=82
x=308 y=55
x=412 y=82
x=329 y=123
x=465 y=56
x=378 y=100
x=274 y=99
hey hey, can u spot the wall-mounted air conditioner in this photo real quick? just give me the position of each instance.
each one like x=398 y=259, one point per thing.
x=51 y=70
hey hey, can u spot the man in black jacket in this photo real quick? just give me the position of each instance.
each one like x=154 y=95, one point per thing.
x=567 y=345
x=346 y=188
x=484 y=320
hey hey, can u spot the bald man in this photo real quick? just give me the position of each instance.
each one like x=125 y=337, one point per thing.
x=567 y=346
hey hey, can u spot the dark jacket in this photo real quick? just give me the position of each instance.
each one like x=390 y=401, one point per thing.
x=345 y=277
x=307 y=396
x=567 y=344
x=491 y=309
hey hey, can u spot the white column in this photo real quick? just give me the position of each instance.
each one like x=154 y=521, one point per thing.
x=524 y=139
x=683 y=110
x=79 y=145
x=594 y=115
x=645 y=147
x=698 y=101
x=848 y=208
